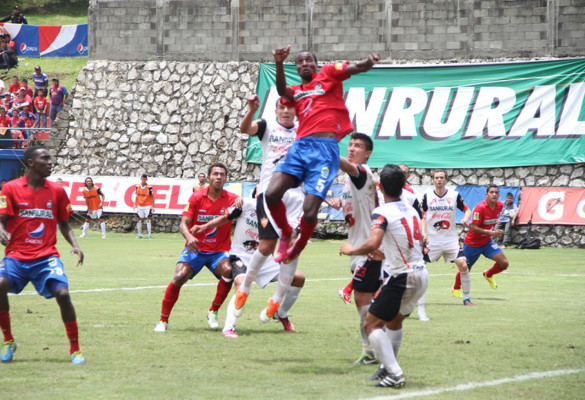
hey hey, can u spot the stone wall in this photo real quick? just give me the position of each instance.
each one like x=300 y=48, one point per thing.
x=174 y=119
x=224 y=30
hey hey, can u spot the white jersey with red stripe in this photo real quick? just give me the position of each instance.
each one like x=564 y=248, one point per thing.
x=440 y=212
x=402 y=237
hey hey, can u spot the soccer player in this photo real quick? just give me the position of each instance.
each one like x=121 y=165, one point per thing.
x=440 y=232
x=396 y=225
x=479 y=240
x=201 y=184
x=204 y=249
x=94 y=198
x=31 y=209
x=314 y=157
x=358 y=200
x=276 y=137
x=507 y=218
x=244 y=244
x=144 y=206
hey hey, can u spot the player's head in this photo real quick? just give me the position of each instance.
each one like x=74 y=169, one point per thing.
x=143 y=179
x=492 y=193
x=306 y=63
x=392 y=180
x=38 y=160
x=88 y=182
x=285 y=115
x=360 y=148
x=405 y=169
x=440 y=178
x=217 y=175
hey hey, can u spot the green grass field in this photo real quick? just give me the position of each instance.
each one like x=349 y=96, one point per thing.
x=534 y=323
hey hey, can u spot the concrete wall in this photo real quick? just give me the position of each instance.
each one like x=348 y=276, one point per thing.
x=224 y=30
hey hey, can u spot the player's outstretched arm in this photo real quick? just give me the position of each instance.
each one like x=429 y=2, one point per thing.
x=248 y=125
x=214 y=223
x=69 y=235
x=371 y=244
x=347 y=167
x=279 y=56
x=363 y=66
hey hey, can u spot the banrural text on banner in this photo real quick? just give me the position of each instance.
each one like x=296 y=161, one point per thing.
x=463 y=116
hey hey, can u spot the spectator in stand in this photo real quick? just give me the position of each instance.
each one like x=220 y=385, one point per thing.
x=27 y=99
x=58 y=95
x=40 y=106
x=6 y=101
x=507 y=219
x=15 y=85
x=8 y=58
x=2 y=87
x=20 y=104
x=24 y=85
x=4 y=131
x=15 y=123
x=29 y=121
x=16 y=17
x=41 y=80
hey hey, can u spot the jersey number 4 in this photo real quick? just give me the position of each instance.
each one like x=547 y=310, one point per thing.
x=415 y=230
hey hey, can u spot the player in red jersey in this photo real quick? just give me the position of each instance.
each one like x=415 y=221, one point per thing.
x=31 y=209
x=479 y=240
x=204 y=249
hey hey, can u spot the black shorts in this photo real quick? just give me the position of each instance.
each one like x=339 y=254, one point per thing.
x=265 y=228
x=238 y=267
x=386 y=305
x=366 y=278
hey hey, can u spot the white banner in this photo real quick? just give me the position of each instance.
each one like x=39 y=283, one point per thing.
x=170 y=195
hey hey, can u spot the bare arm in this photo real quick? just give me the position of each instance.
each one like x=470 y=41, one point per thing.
x=214 y=223
x=486 y=232
x=279 y=56
x=69 y=235
x=347 y=167
x=4 y=235
x=371 y=244
x=184 y=229
x=363 y=66
x=465 y=220
x=248 y=125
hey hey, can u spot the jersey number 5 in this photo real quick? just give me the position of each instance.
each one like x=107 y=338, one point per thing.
x=409 y=234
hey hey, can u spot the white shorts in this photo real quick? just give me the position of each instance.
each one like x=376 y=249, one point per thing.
x=449 y=250
x=416 y=286
x=95 y=214
x=268 y=273
x=143 y=212
x=294 y=200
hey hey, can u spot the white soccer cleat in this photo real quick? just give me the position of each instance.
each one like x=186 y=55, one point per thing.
x=212 y=320
x=82 y=235
x=161 y=326
x=423 y=317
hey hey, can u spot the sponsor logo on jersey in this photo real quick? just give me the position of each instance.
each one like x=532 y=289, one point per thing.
x=207 y=218
x=301 y=94
x=211 y=233
x=264 y=222
x=339 y=66
x=50 y=204
x=186 y=207
x=476 y=215
x=3 y=203
x=36 y=213
x=490 y=221
x=325 y=172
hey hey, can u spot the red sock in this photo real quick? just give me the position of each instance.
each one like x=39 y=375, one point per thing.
x=493 y=270
x=171 y=296
x=72 y=334
x=457 y=284
x=223 y=289
x=5 y=325
x=278 y=212
x=306 y=233
x=349 y=287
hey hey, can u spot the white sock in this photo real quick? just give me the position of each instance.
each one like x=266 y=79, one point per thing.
x=230 y=317
x=139 y=227
x=383 y=349
x=148 y=226
x=465 y=284
x=291 y=296
x=285 y=277
x=84 y=228
x=362 y=311
x=396 y=339
x=103 y=226
x=256 y=263
x=421 y=304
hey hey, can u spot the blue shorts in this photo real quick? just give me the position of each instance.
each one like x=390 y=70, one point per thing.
x=314 y=161
x=489 y=250
x=198 y=260
x=46 y=274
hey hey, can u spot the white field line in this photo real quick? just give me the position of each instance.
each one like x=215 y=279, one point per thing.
x=475 y=385
x=128 y=289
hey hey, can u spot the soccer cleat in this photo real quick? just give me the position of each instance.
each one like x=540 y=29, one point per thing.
x=456 y=292
x=292 y=255
x=366 y=359
x=503 y=246
x=346 y=297
x=103 y=235
x=212 y=320
x=82 y=235
x=467 y=302
x=241 y=298
x=282 y=250
x=423 y=317
x=8 y=350
x=379 y=374
x=286 y=324
x=391 y=380
x=161 y=326
x=230 y=333
x=150 y=236
x=77 y=358
x=138 y=236
x=490 y=280
x=272 y=308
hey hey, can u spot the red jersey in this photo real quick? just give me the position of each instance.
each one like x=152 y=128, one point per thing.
x=319 y=104
x=14 y=88
x=41 y=104
x=201 y=209
x=486 y=218
x=4 y=121
x=33 y=218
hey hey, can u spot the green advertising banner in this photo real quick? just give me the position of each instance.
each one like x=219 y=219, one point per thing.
x=461 y=116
